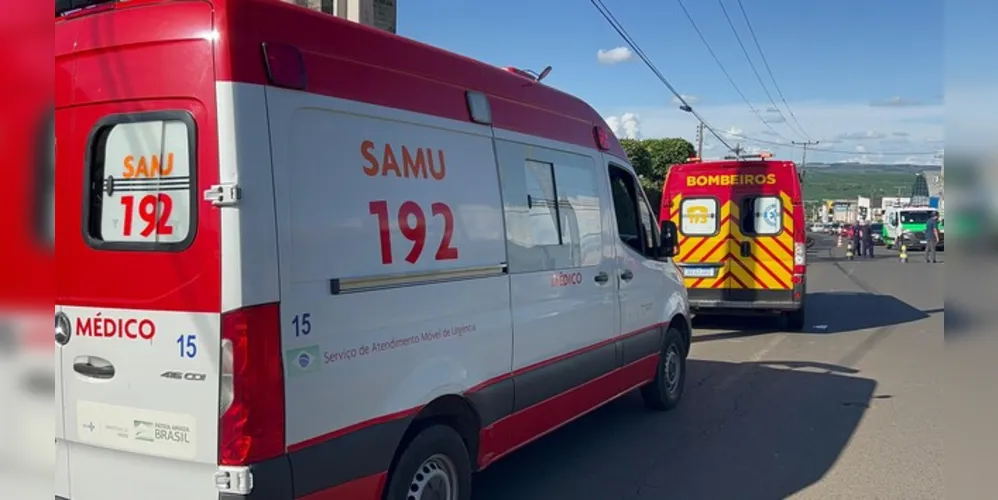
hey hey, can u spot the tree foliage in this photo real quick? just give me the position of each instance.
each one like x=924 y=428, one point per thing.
x=638 y=155
x=651 y=159
x=666 y=153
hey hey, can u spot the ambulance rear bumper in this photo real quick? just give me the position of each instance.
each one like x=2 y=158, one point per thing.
x=716 y=301
x=729 y=304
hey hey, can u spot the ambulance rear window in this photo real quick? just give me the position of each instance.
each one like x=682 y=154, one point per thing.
x=140 y=183
x=762 y=215
x=698 y=216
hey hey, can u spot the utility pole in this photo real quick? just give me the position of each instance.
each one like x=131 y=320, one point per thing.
x=900 y=190
x=700 y=140
x=805 y=145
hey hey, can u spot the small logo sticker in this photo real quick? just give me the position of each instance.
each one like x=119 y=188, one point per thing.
x=771 y=216
x=303 y=360
x=145 y=431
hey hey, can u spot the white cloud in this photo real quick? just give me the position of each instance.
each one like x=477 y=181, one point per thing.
x=690 y=99
x=860 y=136
x=625 y=126
x=896 y=101
x=838 y=126
x=860 y=149
x=615 y=55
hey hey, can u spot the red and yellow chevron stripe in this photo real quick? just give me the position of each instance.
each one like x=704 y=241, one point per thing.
x=769 y=265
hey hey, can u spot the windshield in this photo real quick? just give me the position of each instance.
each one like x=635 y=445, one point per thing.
x=915 y=217
x=876 y=227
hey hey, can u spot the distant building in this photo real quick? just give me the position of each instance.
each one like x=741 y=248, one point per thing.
x=934 y=180
x=893 y=201
x=844 y=211
x=920 y=191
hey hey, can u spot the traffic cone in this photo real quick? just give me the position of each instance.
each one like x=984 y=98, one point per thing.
x=904 y=253
x=849 y=254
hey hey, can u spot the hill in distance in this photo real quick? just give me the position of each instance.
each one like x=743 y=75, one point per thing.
x=872 y=168
x=850 y=180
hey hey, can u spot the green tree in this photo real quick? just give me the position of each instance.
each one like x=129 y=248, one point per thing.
x=638 y=155
x=653 y=190
x=666 y=153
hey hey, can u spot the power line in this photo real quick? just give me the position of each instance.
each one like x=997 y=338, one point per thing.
x=612 y=20
x=838 y=151
x=765 y=62
x=755 y=70
x=725 y=71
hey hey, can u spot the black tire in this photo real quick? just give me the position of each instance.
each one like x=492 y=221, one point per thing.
x=435 y=455
x=795 y=320
x=666 y=391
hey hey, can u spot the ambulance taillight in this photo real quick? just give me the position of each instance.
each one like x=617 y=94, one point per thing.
x=800 y=259
x=251 y=399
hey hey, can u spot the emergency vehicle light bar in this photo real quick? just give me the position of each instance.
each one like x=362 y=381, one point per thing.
x=759 y=156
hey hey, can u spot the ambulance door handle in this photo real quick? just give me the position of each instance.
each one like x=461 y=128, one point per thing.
x=746 y=249
x=93 y=367
x=602 y=277
x=627 y=275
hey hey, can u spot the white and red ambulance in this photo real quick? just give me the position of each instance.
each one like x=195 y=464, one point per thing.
x=302 y=258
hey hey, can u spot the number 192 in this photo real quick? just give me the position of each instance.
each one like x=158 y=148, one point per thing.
x=412 y=225
x=154 y=210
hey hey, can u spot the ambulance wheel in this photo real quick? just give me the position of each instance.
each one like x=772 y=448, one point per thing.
x=665 y=392
x=434 y=466
x=795 y=320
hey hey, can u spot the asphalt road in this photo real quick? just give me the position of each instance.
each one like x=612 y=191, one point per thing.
x=849 y=408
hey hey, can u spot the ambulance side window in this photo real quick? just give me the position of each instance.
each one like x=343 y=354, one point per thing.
x=648 y=225
x=541 y=204
x=761 y=215
x=552 y=206
x=625 y=205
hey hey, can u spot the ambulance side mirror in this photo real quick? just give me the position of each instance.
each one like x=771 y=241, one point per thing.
x=669 y=244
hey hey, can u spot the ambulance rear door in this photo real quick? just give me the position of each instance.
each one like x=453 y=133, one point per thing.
x=138 y=259
x=701 y=212
x=762 y=244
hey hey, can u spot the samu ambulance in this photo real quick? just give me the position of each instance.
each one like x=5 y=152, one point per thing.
x=302 y=258
x=742 y=235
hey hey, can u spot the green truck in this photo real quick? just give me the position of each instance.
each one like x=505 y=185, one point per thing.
x=907 y=225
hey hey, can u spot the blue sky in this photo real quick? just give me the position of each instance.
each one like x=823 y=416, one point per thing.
x=833 y=61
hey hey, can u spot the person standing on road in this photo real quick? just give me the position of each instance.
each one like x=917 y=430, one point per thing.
x=867 y=241
x=931 y=237
x=856 y=240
